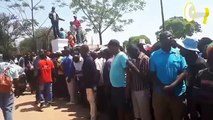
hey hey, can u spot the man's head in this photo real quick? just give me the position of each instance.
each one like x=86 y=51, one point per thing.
x=133 y=51
x=114 y=46
x=43 y=56
x=67 y=52
x=209 y=53
x=106 y=54
x=166 y=40
x=53 y=9
x=76 y=58
x=203 y=44
x=84 y=50
x=61 y=29
x=75 y=18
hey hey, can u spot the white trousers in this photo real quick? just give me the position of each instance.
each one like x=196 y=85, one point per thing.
x=71 y=90
x=91 y=99
x=141 y=104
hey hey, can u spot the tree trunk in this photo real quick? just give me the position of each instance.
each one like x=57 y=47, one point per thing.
x=100 y=37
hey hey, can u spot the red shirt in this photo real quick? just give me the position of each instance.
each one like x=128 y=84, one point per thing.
x=77 y=23
x=45 y=67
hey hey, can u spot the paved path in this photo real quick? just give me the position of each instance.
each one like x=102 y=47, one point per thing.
x=25 y=110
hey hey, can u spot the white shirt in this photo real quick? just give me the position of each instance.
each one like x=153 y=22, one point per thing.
x=78 y=65
x=54 y=16
x=99 y=62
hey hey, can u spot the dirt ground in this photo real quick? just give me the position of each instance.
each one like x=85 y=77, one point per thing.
x=25 y=109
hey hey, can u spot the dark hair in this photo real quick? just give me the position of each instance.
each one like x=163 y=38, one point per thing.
x=132 y=49
x=114 y=43
x=43 y=56
x=203 y=42
x=76 y=58
x=107 y=53
x=85 y=48
x=165 y=35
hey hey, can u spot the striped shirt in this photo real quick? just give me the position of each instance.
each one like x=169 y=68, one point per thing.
x=140 y=81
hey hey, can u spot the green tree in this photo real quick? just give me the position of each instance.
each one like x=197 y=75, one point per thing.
x=27 y=45
x=10 y=30
x=180 y=27
x=136 y=40
x=43 y=38
x=22 y=8
x=103 y=14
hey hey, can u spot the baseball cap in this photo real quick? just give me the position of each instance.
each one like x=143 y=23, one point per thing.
x=189 y=44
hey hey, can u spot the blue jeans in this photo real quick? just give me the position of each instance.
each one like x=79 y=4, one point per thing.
x=78 y=36
x=6 y=104
x=45 y=92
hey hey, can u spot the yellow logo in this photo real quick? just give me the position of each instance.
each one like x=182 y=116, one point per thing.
x=190 y=13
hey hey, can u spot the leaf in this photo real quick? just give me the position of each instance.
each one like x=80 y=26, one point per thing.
x=41 y=7
x=180 y=27
x=24 y=4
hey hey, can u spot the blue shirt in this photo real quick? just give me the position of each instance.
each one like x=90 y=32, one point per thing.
x=167 y=66
x=69 y=69
x=117 y=70
x=62 y=35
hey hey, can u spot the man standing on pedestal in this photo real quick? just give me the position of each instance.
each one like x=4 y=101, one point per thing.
x=54 y=20
x=77 y=25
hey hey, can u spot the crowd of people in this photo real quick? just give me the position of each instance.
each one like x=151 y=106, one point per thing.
x=172 y=80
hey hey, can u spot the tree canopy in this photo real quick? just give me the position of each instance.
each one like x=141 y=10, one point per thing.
x=136 y=40
x=41 y=36
x=103 y=14
x=180 y=27
x=10 y=30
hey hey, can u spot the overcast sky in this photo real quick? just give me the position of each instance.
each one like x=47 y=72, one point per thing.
x=146 y=22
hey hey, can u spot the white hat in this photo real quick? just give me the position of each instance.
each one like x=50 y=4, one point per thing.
x=189 y=44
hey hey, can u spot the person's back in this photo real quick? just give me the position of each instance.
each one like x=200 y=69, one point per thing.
x=117 y=71
x=62 y=34
x=89 y=72
x=7 y=98
x=46 y=68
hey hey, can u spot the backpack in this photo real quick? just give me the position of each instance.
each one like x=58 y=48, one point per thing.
x=20 y=85
x=5 y=82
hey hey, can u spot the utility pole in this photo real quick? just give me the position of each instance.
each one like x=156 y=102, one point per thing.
x=33 y=30
x=162 y=14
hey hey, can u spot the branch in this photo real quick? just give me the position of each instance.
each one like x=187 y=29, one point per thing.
x=115 y=18
x=37 y=3
x=19 y=10
x=102 y=15
x=88 y=16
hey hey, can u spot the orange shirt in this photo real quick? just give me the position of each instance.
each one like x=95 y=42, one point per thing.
x=71 y=40
x=45 y=67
